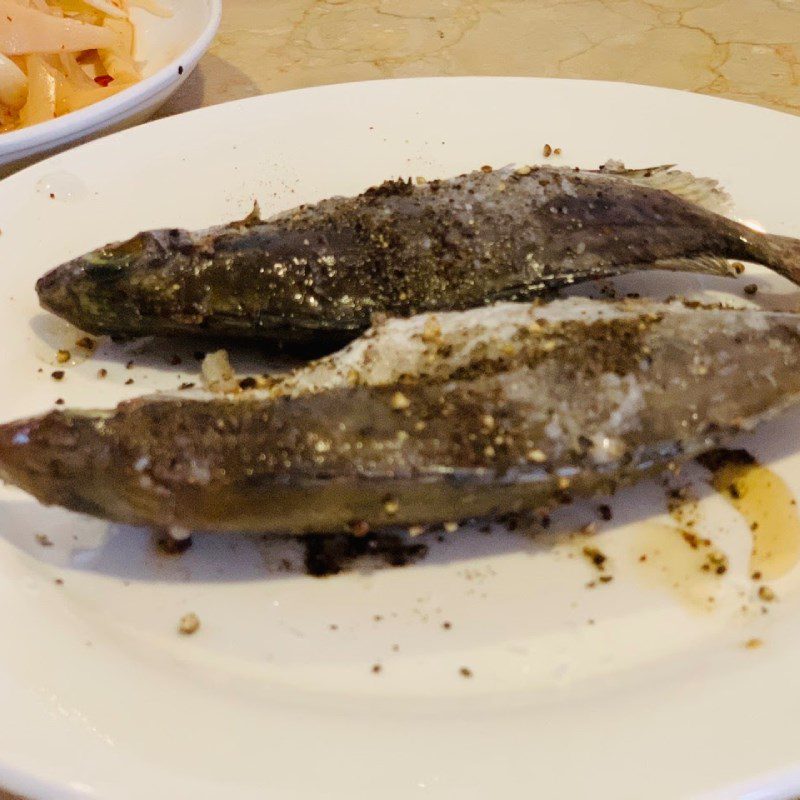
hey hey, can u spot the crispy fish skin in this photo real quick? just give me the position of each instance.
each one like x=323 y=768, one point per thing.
x=584 y=404
x=319 y=273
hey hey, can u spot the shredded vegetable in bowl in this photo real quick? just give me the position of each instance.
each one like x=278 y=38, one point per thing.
x=57 y=56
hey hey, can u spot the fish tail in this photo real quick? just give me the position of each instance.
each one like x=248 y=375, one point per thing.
x=781 y=253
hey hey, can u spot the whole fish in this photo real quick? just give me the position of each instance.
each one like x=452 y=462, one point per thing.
x=317 y=274
x=570 y=399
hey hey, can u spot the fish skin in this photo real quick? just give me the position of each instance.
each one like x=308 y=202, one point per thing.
x=317 y=274
x=592 y=401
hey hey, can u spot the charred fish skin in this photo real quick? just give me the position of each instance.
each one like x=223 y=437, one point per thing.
x=582 y=405
x=320 y=272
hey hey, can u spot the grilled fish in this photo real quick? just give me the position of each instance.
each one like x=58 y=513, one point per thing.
x=573 y=398
x=317 y=274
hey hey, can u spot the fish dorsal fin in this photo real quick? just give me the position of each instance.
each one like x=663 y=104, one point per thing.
x=253 y=218
x=704 y=192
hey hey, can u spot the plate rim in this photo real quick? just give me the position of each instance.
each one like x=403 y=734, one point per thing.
x=63 y=791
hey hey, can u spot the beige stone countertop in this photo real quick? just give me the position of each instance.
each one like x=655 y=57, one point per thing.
x=742 y=49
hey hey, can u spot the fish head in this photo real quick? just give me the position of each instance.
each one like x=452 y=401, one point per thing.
x=110 y=289
x=52 y=455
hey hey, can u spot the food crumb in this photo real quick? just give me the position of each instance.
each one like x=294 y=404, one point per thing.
x=465 y=672
x=60 y=401
x=486 y=168
x=129 y=365
x=737 y=267
x=185 y=386
x=595 y=556
x=376 y=668
x=58 y=581
x=751 y=288
x=57 y=375
x=395 y=648
x=447 y=625
x=547 y=151
x=556 y=151
x=605 y=512
x=189 y=623
x=753 y=644
x=44 y=540
x=101 y=373
x=86 y=342
x=766 y=594
x=62 y=356
x=129 y=381
x=333 y=626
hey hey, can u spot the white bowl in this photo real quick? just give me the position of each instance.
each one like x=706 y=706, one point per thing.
x=168 y=48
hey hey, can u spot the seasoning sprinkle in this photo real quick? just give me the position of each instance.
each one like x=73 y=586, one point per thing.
x=766 y=594
x=391 y=507
x=432 y=330
x=400 y=402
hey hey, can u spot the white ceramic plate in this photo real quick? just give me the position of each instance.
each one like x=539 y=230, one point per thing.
x=168 y=49
x=622 y=691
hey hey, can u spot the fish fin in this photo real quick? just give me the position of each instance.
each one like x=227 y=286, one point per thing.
x=708 y=265
x=253 y=218
x=704 y=192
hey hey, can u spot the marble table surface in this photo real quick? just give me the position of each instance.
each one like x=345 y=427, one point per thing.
x=742 y=49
